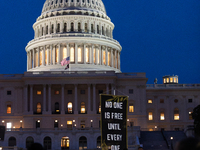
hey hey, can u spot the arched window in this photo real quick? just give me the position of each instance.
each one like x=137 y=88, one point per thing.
x=65 y=27
x=131 y=108
x=29 y=141
x=86 y=28
x=98 y=29
x=162 y=116
x=57 y=111
x=82 y=107
x=82 y=143
x=72 y=54
x=57 y=53
x=79 y=27
x=65 y=143
x=12 y=141
x=52 y=28
x=92 y=28
x=87 y=54
x=8 y=109
x=70 y=107
x=103 y=30
x=58 y=28
x=42 y=31
x=46 y=29
x=39 y=108
x=94 y=55
x=72 y=26
x=107 y=32
x=176 y=114
x=47 y=143
x=99 y=142
x=150 y=115
x=80 y=54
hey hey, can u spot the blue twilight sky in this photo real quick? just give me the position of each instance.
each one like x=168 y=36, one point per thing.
x=159 y=37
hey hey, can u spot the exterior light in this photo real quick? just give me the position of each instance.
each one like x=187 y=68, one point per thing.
x=61 y=125
x=75 y=125
x=14 y=127
x=190 y=112
x=0 y=148
x=91 y=120
x=73 y=120
x=21 y=121
x=156 y=127
x=56 y=120
x=127 y=119
x=38 y=121
x=171 y=138
x=3 y=121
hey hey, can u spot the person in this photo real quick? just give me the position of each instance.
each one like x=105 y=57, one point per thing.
x=140 y=148
x=189 y=143
x=36 y=146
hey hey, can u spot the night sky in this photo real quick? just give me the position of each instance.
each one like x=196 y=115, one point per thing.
x=158 y=37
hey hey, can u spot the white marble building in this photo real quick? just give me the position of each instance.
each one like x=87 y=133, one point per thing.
x=60 y=108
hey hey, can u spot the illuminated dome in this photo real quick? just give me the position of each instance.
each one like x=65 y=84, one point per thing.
x=68 y=5
x=79 y=29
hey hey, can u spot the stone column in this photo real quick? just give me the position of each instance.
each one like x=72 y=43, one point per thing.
x=51 y=49
x=100 y=55
x=76 y=99
x=44 y=98
x=76 y=53
x=68 y=53
x=96 y=55
x=59 y=53
x=43 y=56
x=27 y=61
x=94 y=98
x=54 y=55
x=49 y=98
x=89 y=99
x=47 y=57
x=31 y=98
x=84 y=52
x=63 y=99
x=33 y=65
x=106 y=56
x=115 y=58
x=118 y=60
x=25 y=98
x=107 y=88
x=92 y=54
x=112 y=60
x=38 y=56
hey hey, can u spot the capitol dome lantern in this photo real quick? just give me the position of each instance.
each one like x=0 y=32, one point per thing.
x=78 y=29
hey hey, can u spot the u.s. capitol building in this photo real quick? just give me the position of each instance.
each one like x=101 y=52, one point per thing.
x=61 y=108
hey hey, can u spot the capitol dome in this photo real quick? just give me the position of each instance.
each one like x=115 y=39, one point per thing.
x=78 y=29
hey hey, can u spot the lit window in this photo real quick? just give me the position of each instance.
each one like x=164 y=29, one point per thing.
x=49 y=56
x=39 y=108
x=8 y=109
x=69 y=124
x=87 y=55
x=131 y=108
x=109 y=64
x=40 y=58
x=57 y=55
x=69 y=107
x=64 y=53
x=171 y=80
x=162 y=116
x=82 y=107
x=150 y=115
x=72 y=54
x=79 y=55
x=167 y=80
x=164 y=80
x=176 y=114
x=57 y=92
x=190 y=115
x=9 y=126
x=104 y=57
x=94 y=55
x=39 y=92
x=175 y=81
x=150 y=101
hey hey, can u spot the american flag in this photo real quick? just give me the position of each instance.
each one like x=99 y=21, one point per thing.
x=65 y=61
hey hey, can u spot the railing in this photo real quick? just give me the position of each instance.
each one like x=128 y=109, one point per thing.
x=150 y=86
